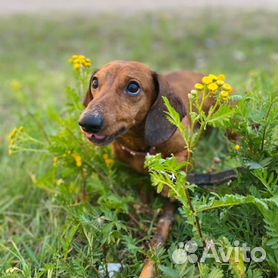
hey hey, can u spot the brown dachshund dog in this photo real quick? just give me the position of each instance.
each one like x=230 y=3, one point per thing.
x=124 y=106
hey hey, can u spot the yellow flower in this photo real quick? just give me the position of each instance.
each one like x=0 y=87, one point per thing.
x=108 y=161
x=33 y=178
x=78 y=160
x=212 y=87
x=60 y=182
x=219 y=82
x=16 y=86
x=207 y=80
x=55 y=161
x=199 y=86
x=224 y=95
x=15 y=132
x=77 y=66
x=221 y=77
x=79 y=62
x=214 y=77
x=227 y=87
x=13 y=136
x=237 y=147
x=87 y=64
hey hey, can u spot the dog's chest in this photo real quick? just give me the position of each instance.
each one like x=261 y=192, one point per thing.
x=134 y=159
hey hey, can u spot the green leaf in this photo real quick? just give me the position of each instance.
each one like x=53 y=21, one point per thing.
x=232 y=200
x=221 y=116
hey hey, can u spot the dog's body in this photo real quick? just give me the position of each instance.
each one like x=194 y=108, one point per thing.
x=124 y=106
x=137 y=124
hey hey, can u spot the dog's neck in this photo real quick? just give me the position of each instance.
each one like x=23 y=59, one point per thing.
x=134 y=140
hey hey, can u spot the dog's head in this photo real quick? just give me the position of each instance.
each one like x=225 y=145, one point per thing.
x=122 y=95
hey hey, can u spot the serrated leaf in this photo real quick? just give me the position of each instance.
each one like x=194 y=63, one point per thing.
x=221 y=116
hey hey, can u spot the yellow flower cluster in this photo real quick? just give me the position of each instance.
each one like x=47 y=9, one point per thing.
x=55 y=161
x=60 y=182
x=80 y=61
x=108 y=161
x=16 y=86
x=78 y=159
x=215 y=85
x=237 y=147
x=12 y=138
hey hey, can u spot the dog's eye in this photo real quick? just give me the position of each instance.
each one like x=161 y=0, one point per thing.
x=94 y=83
x=133 y=88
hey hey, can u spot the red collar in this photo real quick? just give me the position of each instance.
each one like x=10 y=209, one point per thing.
x=151 y=150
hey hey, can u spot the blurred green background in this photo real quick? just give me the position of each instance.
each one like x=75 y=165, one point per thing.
x=34 y=49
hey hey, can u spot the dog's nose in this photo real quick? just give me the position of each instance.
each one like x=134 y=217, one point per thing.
x=91 y=123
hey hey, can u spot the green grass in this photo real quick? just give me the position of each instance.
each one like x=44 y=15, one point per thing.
x=36 y=49
x=49 y=233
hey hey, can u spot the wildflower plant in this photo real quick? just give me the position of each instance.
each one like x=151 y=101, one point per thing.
x=227 y=113
x=218 y=113
x=66 y=148
x=79 y=180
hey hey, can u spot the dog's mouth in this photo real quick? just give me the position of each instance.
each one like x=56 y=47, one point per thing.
x=102 y=140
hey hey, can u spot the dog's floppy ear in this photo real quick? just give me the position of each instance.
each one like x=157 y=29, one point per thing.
x=88 y=97
x=157 y=127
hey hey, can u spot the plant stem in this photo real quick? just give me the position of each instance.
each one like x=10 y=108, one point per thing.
x=197 y=221
x=191 y=145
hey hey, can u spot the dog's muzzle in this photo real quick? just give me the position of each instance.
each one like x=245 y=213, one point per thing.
x=91 y=123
